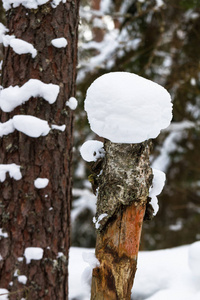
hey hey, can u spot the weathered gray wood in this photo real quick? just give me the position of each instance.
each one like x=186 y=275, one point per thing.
x=122 y=194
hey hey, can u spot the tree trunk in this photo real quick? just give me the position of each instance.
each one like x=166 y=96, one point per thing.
x=122 y=196
x=2 y=19
x=34 y=217
x=98 y=33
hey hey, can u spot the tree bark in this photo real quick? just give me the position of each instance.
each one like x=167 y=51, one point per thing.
x=122 y=196
x=39 y=217
x=98 y=33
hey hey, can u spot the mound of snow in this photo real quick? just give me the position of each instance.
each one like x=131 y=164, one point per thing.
x=194 y=258
x=161 y=274
x=127 y=108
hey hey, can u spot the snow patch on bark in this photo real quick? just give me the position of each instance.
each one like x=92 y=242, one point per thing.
x=12 y=97
x=97 y=221
x=58 y=127
x=23 y=47
x=3 y=234
x=4 y=294
x=33 y=253
x=31 y=126
x=18 y=45
x=12 y=169
x=41 y=183
x=6 y=128
x=92 y=150
x=6 y=39
x=22 y=279
x=72 y=103
x=30 y=4
x=59 y=42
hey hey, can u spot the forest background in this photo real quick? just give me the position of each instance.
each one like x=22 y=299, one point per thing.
x=158 y=40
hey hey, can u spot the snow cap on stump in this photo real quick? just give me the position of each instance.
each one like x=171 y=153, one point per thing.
x=126 y=108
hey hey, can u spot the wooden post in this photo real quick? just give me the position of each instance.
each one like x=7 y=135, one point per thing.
x=122 y=196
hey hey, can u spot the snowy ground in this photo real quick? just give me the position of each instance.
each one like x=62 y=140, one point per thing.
x=162 y=275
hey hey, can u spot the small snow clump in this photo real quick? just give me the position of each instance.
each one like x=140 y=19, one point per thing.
x=12 y=97
x=41 y=183
x=59 y=42
x=100 y=218
x=3 y=234
x=58 y=127
x=30 y=4
x=159 y=3
x=12 y=169
x=55 y=3
x=6 y=127
x=72 y=103
x=22 y=279
x=20 y=258
x=60 y=254
x=92 y=150
x=31 y=126
x=127 y=108
x=23 y=47
x=6 y=39
x=35 y=253
x=158 y=183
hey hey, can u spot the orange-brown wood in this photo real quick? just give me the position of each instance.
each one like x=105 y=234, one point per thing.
x=117 y=249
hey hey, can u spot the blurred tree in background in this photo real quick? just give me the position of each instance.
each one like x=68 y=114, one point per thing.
x=158 y=40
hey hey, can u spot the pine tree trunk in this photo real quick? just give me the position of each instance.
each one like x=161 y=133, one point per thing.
x=34 y=217
x=122 y=197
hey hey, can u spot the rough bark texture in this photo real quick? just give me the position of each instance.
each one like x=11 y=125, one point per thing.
x=39 y=217
x=122 y=196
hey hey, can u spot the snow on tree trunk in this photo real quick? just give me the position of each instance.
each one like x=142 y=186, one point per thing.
x=35 y=202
